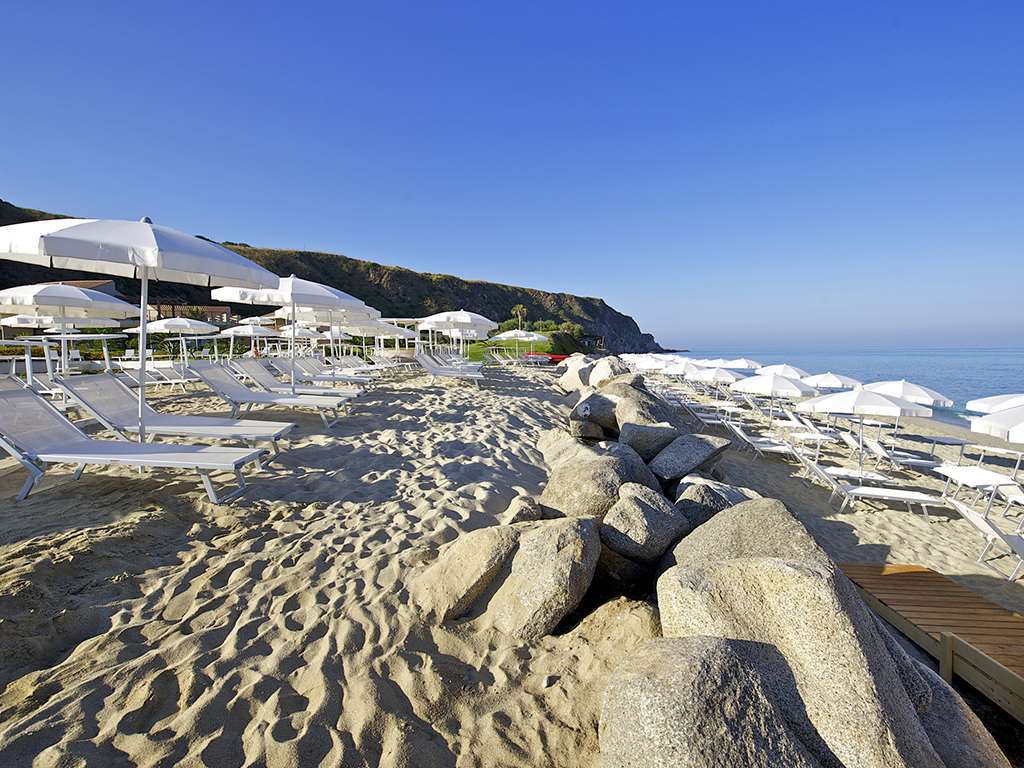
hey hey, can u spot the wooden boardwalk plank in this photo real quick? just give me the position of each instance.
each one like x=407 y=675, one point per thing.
x=932 y=608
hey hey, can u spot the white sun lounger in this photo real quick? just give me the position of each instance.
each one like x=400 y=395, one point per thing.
x=265 y=380
x=308 y=370
x=853 y=493
x=897 y=459
x=760 y=445
x=37 y=435
x=992 y=534
x=431 y=366
x=238 y=396
x=116 y=407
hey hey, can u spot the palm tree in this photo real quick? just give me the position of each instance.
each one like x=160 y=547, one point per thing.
x=519 y=313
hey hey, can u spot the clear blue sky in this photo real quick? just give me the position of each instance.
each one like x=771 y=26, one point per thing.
x=749 y=175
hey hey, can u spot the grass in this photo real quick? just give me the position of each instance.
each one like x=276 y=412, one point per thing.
x=475 y=351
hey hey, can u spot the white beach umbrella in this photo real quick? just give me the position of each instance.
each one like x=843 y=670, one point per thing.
x=782 y=369
x=297 y=332
x=257 y=320
x=251 y=331
x=130 y=249
x=773 y=385
x=62 y=300
x=995 y=403
x=518 y=335
x=830 y=380
x=863 y=402
x=178 y=326
x=1006 y=424
x=293 y=292
x=907 y=390
x=715 y=376
x=742 y=363
x=460 y=319
x=60 y=324
x=681 y=369
x=336 y=333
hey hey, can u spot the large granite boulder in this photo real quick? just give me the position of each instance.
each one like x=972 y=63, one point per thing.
x=557 y=445
x=586 y=430
x=587 y=483
x=606 y=368
x=846 y=692
x=642 y=524
x=635 y=380
x=577 y=373
x=551 y=571
x=647 y=439
x=701 y=498
x=463 y=570
x=598 y=409
x=523 y=509
x=696 y=702
x=638 y=406
x=686 y=454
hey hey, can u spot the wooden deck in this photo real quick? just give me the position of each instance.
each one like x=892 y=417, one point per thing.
x=971 y=637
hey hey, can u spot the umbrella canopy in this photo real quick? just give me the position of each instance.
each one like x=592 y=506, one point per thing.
x=125 y=248
x=180 y=326
x=995 y=403
x=297 y=332
x=863 y=402
x=742 y=363
x=459 y=318
x=773 y=385
x=1007 y=424
x=789 y=371
x=257 y=320
x=714 y=376
x=681 y=369
x=830 y=380
x=336 y=334
x=248 y=331
x=517 y=335
x=907 y=390
x=65 y=300
x=47 y=321
x=130 y=249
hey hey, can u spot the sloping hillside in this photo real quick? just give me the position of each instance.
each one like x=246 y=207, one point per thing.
x=395 y=291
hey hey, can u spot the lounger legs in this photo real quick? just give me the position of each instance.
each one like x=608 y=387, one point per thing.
x=212 y=493
x=34 y=473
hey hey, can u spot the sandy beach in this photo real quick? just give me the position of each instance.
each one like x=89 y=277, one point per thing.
x=142 y=625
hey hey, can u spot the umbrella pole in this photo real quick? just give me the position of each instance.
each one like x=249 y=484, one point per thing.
x=330 y=344
x=291 y=346
x=144 y=302
x=860 y=456
x=231 y=348
x=63 y=348
x=106 y=357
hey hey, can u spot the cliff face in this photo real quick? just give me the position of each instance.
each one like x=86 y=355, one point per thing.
x=395 y=291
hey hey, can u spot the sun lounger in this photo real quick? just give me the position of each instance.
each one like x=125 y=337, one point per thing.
x=435 y=370
x=992 y=535
x=265 y=380
x=760 y=445
x=116 y=407
x=237 y=395
x=852 y=493
x=307 y=370
x=37 y=435
x=897 y=459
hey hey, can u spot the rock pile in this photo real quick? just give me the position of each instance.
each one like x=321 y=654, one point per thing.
x=768 y=657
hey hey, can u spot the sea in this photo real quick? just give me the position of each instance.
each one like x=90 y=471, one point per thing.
x=960 y=374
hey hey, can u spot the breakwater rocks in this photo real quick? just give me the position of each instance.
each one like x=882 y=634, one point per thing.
x=767 y=654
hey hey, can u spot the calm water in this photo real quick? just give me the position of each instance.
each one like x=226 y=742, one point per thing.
x=959 y=374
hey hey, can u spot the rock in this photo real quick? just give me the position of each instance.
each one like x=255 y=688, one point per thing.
x=523 y=509
x=647 y=439
x=551 y=572
x=638 y=470
x=615 y=570
x=606 y=368
x=695 y=702
x=596 y=408
x=577 y=373
x=463 y=570
x=752 y=573
x=586 y=430
x=955 y=731
x=638 y=406
x=635 y=380
x=642 y=524
x=556 y=445
x=701 y=498
x=686 y=454
x=588 y=487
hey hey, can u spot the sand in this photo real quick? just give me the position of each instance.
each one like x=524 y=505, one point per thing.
x=144 y=626
x=141 y=625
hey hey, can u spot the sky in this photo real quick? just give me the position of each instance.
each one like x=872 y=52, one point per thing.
x=742 y=175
